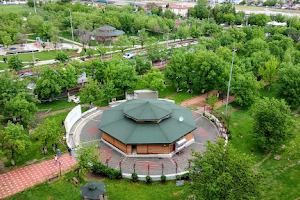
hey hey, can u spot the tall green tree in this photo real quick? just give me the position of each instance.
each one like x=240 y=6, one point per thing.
x=123 y=76
x=122 y=42
x=49 y=132
x=289 y=81
x=223 y=173
x=109 y=90
x=14 y=62
x=183 y=32
x=154 y=80
x=48 y=84
x=194 y=32
x=68 y=77
x=201 y=9
x=273 y=125
x=14 y=139
x=269 y=72
x=87 y=154
x=91 y=91
x=143 y=35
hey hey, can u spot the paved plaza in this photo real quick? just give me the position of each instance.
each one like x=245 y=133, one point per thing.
x=17 y=180
x=88 y=130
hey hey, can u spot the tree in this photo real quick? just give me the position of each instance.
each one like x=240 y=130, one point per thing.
x=221 y=172
x=269 y=71
x=229 y=18
x=101 y=50
x=154 y=80
x=48 y=132
x=133 y=41
x=201 y=9
x=87 y=155
x=91 y=92
x=99 y=67
x=194 y=32
x=122 y=75
x=289 y=81
x=83 y=35
x=14 y=62
x=62 y=56
x=273 y=124
x=210 y=71
x=48 y=85
x=183 y=32
x=109 y=90
x=22 y=105
x=68 y=77
x=212 y=100
x=143 y=35
x=30 y=3
x=122 y=42
x=6 y=40
x=14 y=139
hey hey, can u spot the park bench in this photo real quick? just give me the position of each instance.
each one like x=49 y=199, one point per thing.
x=74 y=99
x=75 y=180
x=52 y=179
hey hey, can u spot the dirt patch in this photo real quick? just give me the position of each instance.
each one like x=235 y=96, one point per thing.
x=2 y=166
x=268 y=156
x=91 y=176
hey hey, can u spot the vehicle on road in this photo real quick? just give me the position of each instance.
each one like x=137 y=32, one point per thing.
x=195 y=42
x=129 y=55
x=26 y=74
x=185 y=44
x=177 y=46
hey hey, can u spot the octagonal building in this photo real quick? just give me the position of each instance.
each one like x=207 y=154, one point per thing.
x=147 y=126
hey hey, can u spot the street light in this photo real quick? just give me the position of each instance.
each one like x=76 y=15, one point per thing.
x=34 y=6
x=72 y=28
x=234 y=49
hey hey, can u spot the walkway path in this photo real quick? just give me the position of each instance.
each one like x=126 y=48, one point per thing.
x=200 y=100
x=19 y=179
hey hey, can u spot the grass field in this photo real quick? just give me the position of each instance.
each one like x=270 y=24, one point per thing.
x=64 y=189
x=249 y=8
x=15 y=9
x=56 y=105
x=282 y=176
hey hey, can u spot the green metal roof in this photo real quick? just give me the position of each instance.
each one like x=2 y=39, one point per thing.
x=127 y=131
x=106 y=28
x=145 y=110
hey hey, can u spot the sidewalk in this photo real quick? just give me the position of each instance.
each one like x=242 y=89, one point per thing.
x=18 y=180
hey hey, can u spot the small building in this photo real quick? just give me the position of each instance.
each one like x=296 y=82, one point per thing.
x=147 y=126
x=106 y=33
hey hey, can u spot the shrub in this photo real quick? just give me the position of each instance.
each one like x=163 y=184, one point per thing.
x=148 y=179
x=134 y=177
x=178 y=177
x=62 y=56
x=163 y=178
x=103 y=170
x=14 y=62
x=185 y=176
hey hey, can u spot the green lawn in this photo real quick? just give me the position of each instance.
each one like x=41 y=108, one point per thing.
x=123 y=189
x=3 y=66
x=15 y=9
x=282 y=176
x=167 y=92
x=56 y=105
x=44 y=55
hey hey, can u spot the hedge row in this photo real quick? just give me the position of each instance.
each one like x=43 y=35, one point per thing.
x=99 y=168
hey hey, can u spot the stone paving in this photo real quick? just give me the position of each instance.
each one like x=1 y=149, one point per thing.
x=149 y=165
x=17 y=180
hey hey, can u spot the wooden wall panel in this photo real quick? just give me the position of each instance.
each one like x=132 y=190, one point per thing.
x=141 y=149
x=120 y=145
x=128 y=149
x=189 y=136
x=107 y=138
x=158 y=149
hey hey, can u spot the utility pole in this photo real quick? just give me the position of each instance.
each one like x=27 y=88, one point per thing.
x=34 y=6
x=72 y=28
x=234 y=49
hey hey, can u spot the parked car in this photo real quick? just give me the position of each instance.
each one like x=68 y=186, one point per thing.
x=26 y=74
x=240 y=26
x=129 y=55
x=195 y=42
x=177 y=46
x=185 y=44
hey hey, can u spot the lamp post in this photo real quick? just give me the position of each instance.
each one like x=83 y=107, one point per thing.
x=34 y=6
x=72 y=29
x=33 y=59
x=234 y=49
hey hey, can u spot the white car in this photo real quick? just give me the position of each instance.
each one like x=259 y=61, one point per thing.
x=195 y=42
x=222 y=24
x=185 y=44
x=129 y=55
x=177 y=46
x=240 y=26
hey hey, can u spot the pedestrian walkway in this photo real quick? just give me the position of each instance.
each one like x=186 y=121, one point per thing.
x=202 y=98
x=17 y=180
